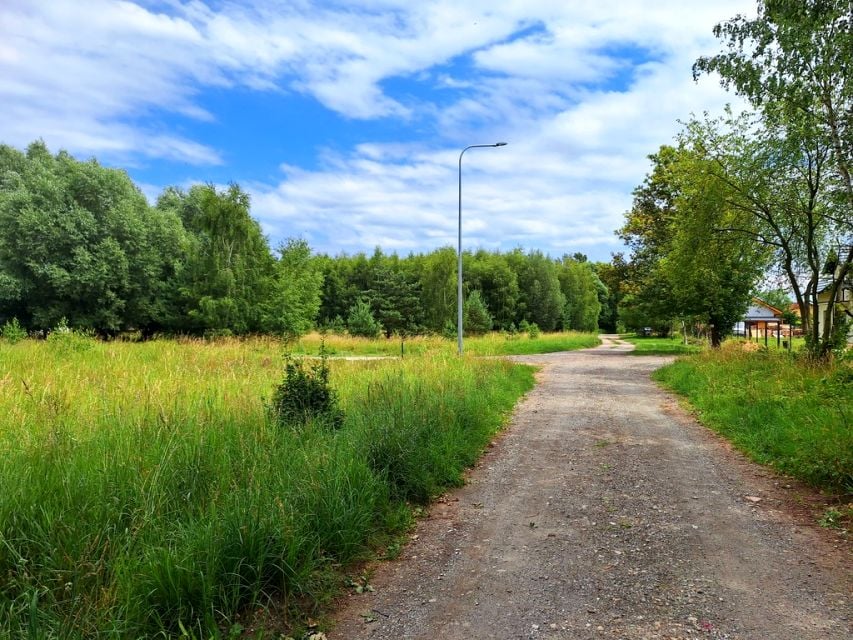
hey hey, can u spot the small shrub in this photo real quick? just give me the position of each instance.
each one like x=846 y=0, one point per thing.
x=361 y=322
x=305 y=395
x=336 y=326
x=478 y=320
x=530 y=328
x=449 y=330
x=67 y=340
x=12 y=331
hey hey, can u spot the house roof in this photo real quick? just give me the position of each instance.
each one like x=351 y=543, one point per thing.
x=760 y=310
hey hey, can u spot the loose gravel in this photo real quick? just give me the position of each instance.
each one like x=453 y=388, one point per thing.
x=605 y=511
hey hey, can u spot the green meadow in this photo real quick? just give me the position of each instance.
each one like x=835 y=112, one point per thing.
x=145 y=490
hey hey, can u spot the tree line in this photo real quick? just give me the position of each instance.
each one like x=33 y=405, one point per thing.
x=80 y=245
x=766 y=191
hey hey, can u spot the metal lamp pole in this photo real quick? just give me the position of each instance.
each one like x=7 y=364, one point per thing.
x=459 y=252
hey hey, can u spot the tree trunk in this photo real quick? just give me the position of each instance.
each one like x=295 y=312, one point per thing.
x=716 y=336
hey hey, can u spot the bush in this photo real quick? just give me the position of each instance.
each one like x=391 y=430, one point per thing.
x=305 y=395
x=12 y=331
x=530 y=328
x=66 y=340
x=361 y=322
x=478 y=320
x=449 y=330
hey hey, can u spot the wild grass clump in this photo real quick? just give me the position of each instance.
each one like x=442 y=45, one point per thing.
x=781 y=411
x=146 y=492
x=306 y=395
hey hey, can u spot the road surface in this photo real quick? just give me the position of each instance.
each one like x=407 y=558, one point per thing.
x=605 y=511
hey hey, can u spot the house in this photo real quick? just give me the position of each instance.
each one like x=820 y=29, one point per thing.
x=843 y=303
x=762 y=320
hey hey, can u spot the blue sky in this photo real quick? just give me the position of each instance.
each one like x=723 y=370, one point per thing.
x=344 y=120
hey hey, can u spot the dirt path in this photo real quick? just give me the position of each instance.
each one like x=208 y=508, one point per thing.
x=606 y=512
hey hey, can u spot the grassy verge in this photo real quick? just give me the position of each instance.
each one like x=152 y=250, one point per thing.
x=492 y=344
x=780 y=411
x=651 y=346
x=144 y=490
x=496 y=344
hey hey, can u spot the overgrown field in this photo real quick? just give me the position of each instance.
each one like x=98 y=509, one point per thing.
x=491 y=344
x=145 y=490
x=780 y=410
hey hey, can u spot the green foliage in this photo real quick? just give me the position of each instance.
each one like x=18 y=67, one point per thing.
x=581 y=288
x=682 y=205
x=784 y=412
x=295 y=291
x=791 y=62
x=64 y=339
x=613 y=276
x=360 y=321
x=476 y=317
x=229 y=269
x=541 y=298
x=12 y=331
x=530 y=328
x=780 y=299
x=437 y=279
x=395 y=300
x=491 y=274
x=78 y=240
x=306 y=396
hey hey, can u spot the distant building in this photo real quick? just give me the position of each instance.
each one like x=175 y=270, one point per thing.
x=762 y=320
x=843 y=302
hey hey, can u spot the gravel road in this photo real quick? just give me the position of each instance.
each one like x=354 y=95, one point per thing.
x=605 y=511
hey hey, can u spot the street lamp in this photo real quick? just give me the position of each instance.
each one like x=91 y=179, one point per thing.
x=459 y=253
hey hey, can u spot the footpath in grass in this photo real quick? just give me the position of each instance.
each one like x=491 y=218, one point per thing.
x=145 y=491
x=780 y=410
x=491 y=344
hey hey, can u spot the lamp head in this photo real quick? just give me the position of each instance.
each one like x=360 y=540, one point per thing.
x=500 y=144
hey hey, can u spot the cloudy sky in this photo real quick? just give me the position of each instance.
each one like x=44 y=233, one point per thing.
x=345 y=120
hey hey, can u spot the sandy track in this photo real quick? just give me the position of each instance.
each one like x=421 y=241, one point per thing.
x=606 y=512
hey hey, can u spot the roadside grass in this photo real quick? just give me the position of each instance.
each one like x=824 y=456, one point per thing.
x=145 y=491
x=498 y=344
x=780 y=410
x=491 y=344
x=653 y=346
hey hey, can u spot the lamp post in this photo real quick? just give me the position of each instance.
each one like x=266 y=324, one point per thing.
x=459 y=253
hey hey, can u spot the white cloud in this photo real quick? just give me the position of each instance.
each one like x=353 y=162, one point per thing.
x=562 y=185
x=559 y=80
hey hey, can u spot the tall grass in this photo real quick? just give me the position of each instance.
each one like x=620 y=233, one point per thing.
x=781 y=411
x=654 y=346
x=144 y=489
x=491 y=344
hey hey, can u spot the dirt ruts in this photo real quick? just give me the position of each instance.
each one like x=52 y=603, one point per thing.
x=605 y=511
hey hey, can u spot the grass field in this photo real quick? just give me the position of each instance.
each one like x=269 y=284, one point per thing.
x=781 y=411
x=652 y=346
x=145 y=492
x=492 y=344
